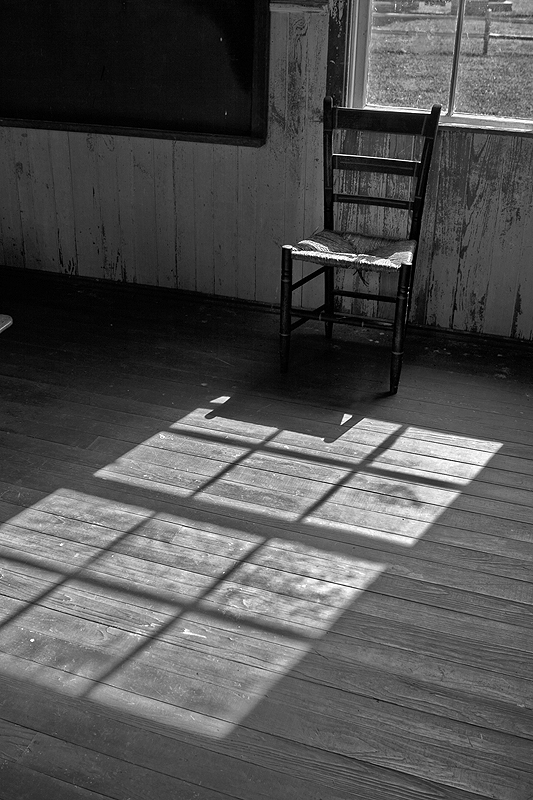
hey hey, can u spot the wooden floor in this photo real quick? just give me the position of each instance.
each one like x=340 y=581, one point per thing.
x=218 y=582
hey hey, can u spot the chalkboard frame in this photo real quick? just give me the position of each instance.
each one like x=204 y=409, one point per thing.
x=253 y=135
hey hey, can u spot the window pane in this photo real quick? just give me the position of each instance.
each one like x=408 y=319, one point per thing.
x=499 y=83
x=410 y=54
x=411 y=51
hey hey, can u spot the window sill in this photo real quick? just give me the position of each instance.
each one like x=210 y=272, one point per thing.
x=504 y=125
x=288 y=6
x=488 y=124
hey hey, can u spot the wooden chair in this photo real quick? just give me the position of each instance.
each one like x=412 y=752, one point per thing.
x=5 y=322
x=342 y=245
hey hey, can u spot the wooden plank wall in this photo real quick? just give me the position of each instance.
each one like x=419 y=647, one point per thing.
x=475 y=264
x=211 y=218
x=196 y=216
x=476 y=267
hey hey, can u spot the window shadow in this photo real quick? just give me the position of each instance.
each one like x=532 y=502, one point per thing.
x=313 y=595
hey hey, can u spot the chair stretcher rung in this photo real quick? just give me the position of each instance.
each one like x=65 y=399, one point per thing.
x=382 y=298
x=341 y=319
x=304 y=316
x=307 y=278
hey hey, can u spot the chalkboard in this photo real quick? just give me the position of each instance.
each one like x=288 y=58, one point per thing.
x=172 y=68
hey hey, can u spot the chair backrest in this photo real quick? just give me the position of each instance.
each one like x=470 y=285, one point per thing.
x=421 y=126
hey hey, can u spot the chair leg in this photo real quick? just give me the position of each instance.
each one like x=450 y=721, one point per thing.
x=329 y=285
x=400 y=325
x=285 y=306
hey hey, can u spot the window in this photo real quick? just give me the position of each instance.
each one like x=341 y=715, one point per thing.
x=475 y=57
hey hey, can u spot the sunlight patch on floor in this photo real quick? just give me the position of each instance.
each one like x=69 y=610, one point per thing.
x=195 y=650
x=376 y=479
x=190 y=618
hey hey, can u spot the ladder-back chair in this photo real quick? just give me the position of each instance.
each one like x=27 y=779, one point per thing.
x=350 y=181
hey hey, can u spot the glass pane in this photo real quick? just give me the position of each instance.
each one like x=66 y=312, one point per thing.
x=411 y=49
x=499 y=82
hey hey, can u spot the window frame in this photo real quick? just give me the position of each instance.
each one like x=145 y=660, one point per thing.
x=359 y=33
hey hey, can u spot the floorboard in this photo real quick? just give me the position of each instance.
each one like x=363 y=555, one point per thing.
x=217 y=582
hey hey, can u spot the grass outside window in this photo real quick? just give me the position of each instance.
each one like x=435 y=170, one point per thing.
x=410 y=62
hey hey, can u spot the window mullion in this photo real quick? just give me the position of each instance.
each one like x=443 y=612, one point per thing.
x=361 y=23
x=455 y=60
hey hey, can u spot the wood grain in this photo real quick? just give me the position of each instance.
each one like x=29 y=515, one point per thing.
x=212 y=219
x=216 y=584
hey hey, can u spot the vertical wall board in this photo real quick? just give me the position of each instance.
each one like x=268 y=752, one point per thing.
x=64 y=204
x=203 y=211
x=295 y=133
x=395 y=222
x=271 y=199
x=523 y=313
x=346 y=217
x=316 y=71
x=371 y=220
x=145 y=237
x=44 y=210
x=365 y=219
x=28 y=212
x=480 y=224
x=185 y=220
x=165 y=213
x=422 y=278
x=522 y=322
x=448 y=235
x=247 y=191
x=338 y=47
x=107 y=202
x=225 y=204
x=11 y=239
x=86 y=220
x=124 y=167
x=515 y=223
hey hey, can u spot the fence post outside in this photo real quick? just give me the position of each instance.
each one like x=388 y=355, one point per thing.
x=486 y=34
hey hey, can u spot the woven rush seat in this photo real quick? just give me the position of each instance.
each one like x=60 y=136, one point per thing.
x=345 y=249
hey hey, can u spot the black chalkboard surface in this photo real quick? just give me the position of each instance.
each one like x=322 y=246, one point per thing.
x=174 y=68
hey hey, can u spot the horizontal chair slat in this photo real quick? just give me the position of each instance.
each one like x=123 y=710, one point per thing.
x=393 y=166
x=408 y=122
x=366 y=200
